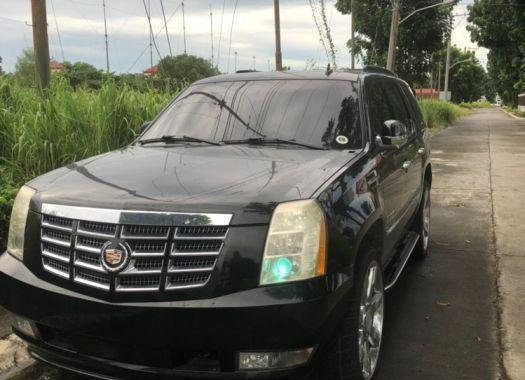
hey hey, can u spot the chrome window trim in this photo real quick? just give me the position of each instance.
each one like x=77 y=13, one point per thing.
x=159 y=218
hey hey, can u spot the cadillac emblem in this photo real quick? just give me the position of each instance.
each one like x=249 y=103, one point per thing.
x=114 y=256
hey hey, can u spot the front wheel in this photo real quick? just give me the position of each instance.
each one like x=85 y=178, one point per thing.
x=355 y=351
x=422 y=224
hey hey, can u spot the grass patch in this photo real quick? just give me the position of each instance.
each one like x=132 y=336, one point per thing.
x=514 y=111
x=474 y=105
x=437 y=113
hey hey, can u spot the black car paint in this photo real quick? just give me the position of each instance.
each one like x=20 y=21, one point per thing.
x=232 y=313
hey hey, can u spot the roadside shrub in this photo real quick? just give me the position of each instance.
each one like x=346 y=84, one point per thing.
x=473 y=105
x=438 y=113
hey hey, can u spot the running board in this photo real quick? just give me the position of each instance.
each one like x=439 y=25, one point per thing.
x=410 y=243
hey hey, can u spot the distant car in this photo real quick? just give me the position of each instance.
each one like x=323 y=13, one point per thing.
x=250 y=231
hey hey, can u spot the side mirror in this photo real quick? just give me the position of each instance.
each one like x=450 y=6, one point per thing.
x=144 y=126
x=393 y=136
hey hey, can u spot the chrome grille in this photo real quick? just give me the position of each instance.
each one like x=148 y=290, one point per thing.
x=163 y=257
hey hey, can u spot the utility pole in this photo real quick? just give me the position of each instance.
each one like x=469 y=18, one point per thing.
x=352 y=33
x=40 y=42
x=394 y=30
x=106 y=36
x=211 y=29
x=184 y=27
x=447 y=69
x=278 y=53
x=166 y=28
x=439 y=77
x=254 y=63
x=236 y=55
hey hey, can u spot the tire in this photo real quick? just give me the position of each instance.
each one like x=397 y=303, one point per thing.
x=344 y=357
x=422 y=224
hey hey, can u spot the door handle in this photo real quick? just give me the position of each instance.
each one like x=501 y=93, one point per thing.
x=406 y=165
x=421 y=151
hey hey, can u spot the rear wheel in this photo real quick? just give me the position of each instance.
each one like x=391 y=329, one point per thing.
x=355 y=351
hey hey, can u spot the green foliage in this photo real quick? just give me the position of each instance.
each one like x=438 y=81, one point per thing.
x=474 y=105
x=185 y=68
x=40 y=134
x=438 y=113
x=7 y=195
x=500 y=28
x=419 y=37
x=25 y=68
x=82 y=74
x=468 y=79
x=515 y=111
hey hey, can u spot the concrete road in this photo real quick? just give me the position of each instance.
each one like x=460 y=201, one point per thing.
x=445 y=315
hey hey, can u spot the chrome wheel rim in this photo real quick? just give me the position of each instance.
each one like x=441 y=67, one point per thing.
x=425 y=233
x=371 y=313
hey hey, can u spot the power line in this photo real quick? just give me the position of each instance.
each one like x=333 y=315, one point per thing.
x=156 y=35
x=231 y=32
x=166 y=27
x=150 y=28
x=58 y=32
x=220 y=34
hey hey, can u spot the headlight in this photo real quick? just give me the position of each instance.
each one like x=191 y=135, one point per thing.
x=296 y=244
x=17 y=226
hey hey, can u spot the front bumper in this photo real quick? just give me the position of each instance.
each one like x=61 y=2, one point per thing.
x=198 y=338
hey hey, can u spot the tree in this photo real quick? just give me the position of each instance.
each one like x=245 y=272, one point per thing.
x=419 y=36
x=1 y=71
x=82 y=74
x=186 y=68
x=467 y=78
x=500 y=27
x=25 y=68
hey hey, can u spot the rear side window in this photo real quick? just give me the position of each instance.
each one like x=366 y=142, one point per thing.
x=396 y=101
x=417 y=117
x=379 y=110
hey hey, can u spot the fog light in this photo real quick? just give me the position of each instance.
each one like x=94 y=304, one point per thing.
x=249 y=361
x=24 y=326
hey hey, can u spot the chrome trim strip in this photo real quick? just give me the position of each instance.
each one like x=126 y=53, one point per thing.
x=85 y=265
x=147 y=254
x=86 y=248
x=410 y=249
x=191 y=270
x=55 y=271
x=157 y=218
x=56 y=227
x=119 y=288
x=175 y=287
x=62 y=243
x=93 y=284
x=54 y=256
x=98 y=235
x=211 y=253
x=200 y=237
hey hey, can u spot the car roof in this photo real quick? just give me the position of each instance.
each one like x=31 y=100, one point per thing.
x=350 y=75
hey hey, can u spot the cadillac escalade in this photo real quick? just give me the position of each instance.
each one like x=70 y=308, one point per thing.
x=251 y=230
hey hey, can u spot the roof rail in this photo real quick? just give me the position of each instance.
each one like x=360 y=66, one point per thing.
x=378 y=70
x=246 y=71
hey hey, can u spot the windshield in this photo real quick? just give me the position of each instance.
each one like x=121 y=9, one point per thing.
x=317 y=112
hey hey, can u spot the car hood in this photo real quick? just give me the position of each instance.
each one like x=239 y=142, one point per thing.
x=247 y=181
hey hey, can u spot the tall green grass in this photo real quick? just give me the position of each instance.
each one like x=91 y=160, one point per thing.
x=38 y=134
x=438 y=113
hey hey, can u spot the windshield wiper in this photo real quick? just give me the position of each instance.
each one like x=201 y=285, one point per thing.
x=262 y=141
x=173 y=139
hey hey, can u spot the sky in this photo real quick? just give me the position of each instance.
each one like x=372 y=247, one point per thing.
x=76 y=32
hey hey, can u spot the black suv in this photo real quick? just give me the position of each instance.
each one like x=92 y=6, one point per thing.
x=250 y=231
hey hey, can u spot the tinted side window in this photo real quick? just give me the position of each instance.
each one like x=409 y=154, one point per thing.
x=379 y=110
x=395 y=99
x=414 y=107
